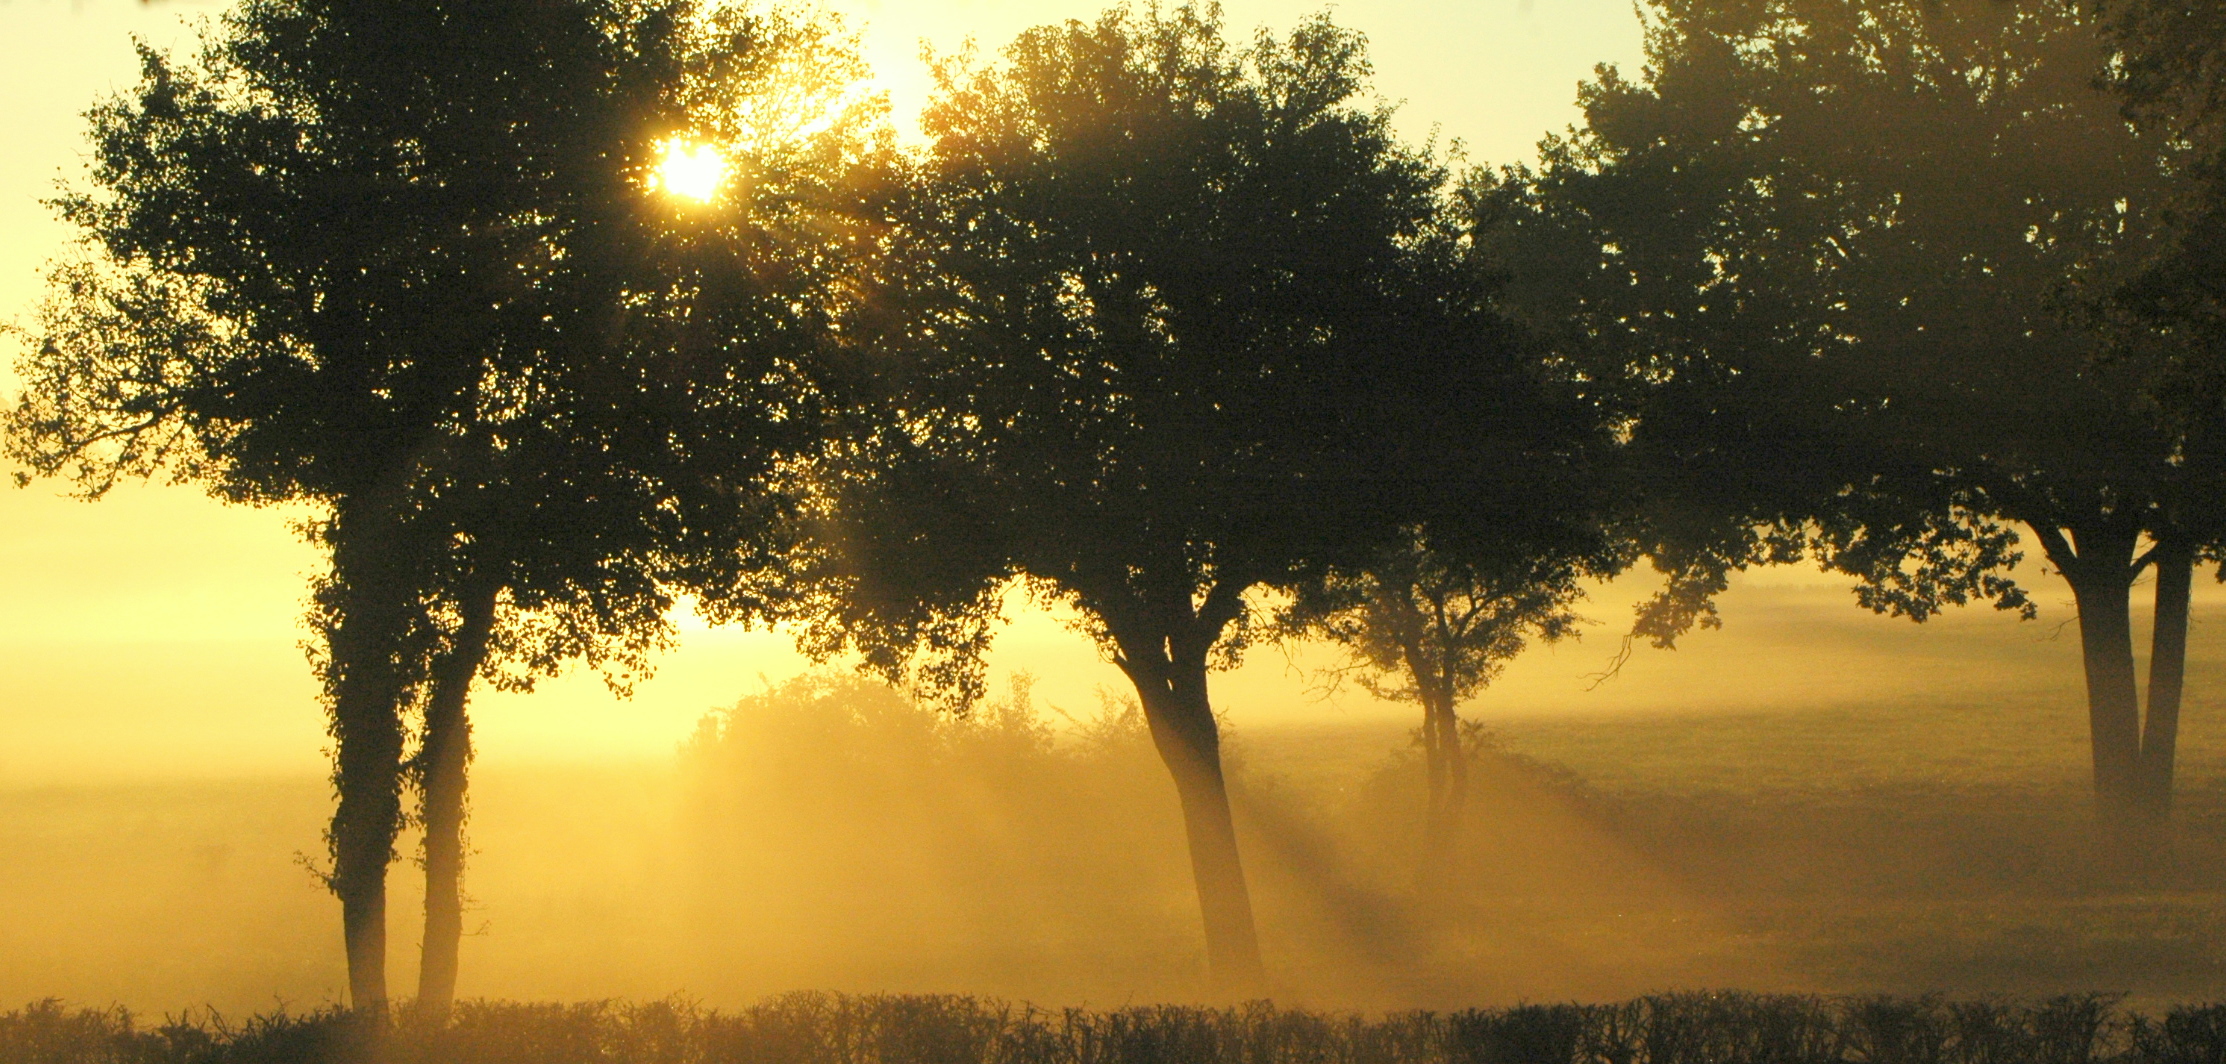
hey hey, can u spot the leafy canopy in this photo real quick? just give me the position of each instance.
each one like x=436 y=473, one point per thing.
x=1188 y=319
x=1827 y=253
x=400 y=259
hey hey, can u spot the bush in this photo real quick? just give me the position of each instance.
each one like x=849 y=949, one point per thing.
x=817 y=1028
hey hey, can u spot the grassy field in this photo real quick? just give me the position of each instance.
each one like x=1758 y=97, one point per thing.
x=1917 y=845
x=1859 y=849
x=1864 y=848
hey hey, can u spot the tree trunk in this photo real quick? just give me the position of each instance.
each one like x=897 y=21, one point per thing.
x=443 y=765
x=1189 y=742
x=1433 y=764
x=2175 y=571
x=2101 y=578
x=1449 y=779
x=364 y=688
x=1455 y=805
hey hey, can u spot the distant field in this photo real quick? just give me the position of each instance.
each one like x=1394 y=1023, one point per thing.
x=1883 y=847
x=1900 y=847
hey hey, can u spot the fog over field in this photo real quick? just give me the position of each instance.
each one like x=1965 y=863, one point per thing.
x=1922 y=841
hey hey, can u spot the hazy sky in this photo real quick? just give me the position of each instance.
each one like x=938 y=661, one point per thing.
x=156 y=632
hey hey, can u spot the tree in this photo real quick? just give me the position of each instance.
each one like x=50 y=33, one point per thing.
x=1446 y=625
x=2167 y=67
x=1185 y=320
x=398 y=260
x=1837 y=247
x=568 y=529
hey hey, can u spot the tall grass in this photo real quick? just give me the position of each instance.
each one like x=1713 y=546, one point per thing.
x=817 y=1028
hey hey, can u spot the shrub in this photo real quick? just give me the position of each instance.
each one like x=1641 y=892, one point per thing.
x=820 y=1028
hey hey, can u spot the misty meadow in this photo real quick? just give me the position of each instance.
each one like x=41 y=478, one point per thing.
x=565 y=335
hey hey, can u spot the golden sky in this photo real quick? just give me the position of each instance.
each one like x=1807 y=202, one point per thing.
x=156 y=632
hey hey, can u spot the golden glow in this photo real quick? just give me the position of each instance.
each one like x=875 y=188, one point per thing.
x=689 y=169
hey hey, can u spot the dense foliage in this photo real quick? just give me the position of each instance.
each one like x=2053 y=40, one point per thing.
x=399 y=261
x=1842 y=261
x=1188 y=321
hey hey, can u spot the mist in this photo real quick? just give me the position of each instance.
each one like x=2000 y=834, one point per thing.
x=824 y=831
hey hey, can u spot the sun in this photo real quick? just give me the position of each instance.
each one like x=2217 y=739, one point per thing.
x=689 y=169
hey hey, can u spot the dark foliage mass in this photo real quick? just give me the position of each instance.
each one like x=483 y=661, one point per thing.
x=1850 y=263
x=810 y=1028
x=1187 y=321
x=395 y=260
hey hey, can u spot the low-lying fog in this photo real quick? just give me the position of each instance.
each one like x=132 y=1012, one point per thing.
x=826 y=834
x=1810 y=799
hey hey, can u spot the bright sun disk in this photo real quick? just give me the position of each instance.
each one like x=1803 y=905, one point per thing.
x=691 y=170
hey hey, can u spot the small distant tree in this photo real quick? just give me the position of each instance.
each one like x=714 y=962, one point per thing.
x=1445 y=626
x=1184 y=320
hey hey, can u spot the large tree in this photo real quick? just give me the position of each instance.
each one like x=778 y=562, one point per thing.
x=1184 y=320
x=399 y=260
x=1836 y=249
x=2169 y=68
x=582 y=506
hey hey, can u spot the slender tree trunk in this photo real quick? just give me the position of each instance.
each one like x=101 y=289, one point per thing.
x=1441 y=828
x=364 y=685
x=1447 y=770
x=2101 y=577
x=2175 y=571
x=1189 y=742
x=1454 y=805
x=443 y=767
x=1433 y=764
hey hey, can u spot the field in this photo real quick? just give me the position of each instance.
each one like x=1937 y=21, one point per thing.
x=1864 y=849
x=1856 y=849
x=1913 y=846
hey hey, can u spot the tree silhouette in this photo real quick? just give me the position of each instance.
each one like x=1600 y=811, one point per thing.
x=1184 y=321
x=399 y=260
x=568 y=533
x=2167 y=68
x=1835 y=247
x=1445 y=625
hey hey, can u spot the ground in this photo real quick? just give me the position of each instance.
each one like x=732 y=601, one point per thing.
x=1909 y=847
